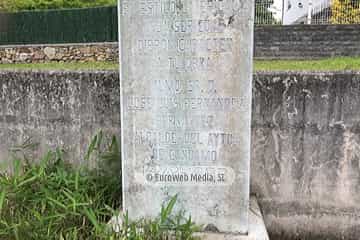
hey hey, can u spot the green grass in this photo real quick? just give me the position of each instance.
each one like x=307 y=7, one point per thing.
x=61 y=66
x=328 y=64
x=53 y=200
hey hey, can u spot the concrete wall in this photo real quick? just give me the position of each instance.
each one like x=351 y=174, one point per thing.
x=305 y=139
x=271 y=42
x=62 y=109
x=306 y=153
x=306 y=41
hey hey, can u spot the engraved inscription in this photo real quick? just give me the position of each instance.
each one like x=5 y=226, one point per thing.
x=212 y=139
x=182 y=26
x=186 y=45
x=214 y=103
x=186 y=107
x=164 y=7
x=171 y=121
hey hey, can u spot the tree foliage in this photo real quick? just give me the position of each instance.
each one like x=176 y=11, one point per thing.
x=345 y=12
x=18 y=5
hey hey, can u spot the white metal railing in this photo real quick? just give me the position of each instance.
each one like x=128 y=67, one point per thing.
x=266 y=12
x=289 y=12
x=320 y=13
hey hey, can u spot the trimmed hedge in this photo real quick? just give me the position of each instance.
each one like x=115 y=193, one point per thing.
x=19 y=5
x=59 y=26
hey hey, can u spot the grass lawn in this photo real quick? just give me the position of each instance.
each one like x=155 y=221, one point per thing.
x=329 y=64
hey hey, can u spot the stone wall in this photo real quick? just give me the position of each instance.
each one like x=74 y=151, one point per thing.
x=305 y=139
x=59 y=53
x=271 y=42
x=306 y=41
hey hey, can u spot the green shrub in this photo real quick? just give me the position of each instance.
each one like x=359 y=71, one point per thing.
x=345 y=12
x=17 y=5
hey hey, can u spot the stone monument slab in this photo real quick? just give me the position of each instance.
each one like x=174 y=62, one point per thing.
x=186 y=81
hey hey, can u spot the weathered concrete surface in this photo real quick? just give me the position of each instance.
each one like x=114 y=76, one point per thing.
x=257 y=229
x=306 y=155
x=305 y=165
x=181 y=62
x=62 y=109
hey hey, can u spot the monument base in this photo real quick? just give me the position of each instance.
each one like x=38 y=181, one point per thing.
x=257 y=229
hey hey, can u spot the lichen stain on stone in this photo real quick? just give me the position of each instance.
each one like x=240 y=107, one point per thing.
x=179 y=5
x=275 y=132
x=346 y=169
x=215 y=211
x=231 y=20
x=211 y=228
x=136 y=188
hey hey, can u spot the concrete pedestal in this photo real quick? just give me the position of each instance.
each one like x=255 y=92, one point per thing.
x=257 y=229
